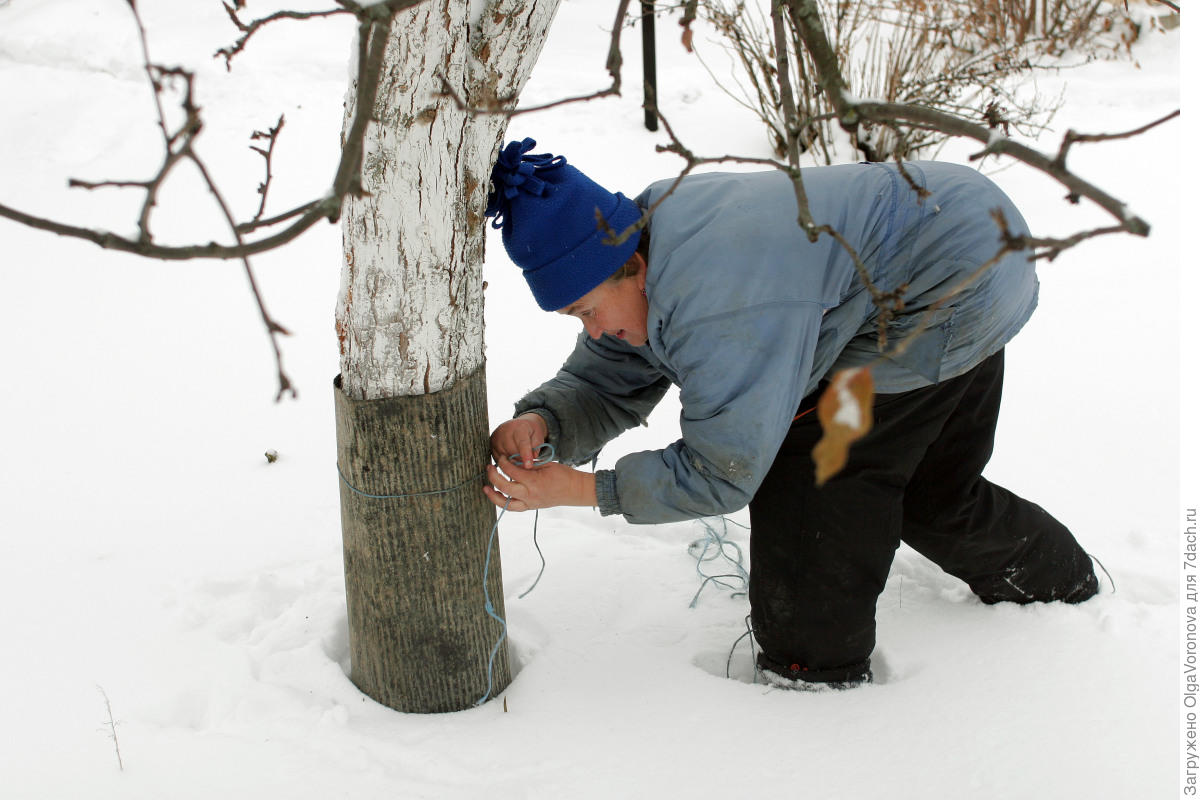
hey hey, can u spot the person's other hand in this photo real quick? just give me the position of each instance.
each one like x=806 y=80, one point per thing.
x=544 y=486
x=520 y=437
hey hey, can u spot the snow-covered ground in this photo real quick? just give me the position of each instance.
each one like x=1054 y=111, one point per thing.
x=151 y=555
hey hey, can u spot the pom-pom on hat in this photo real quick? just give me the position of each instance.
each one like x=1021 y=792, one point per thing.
x=546 y=209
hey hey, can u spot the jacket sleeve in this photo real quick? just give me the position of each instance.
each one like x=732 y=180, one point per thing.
x=602 y=390
x=742 y=376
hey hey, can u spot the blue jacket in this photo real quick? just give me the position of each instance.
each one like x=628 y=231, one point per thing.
x=746 y=316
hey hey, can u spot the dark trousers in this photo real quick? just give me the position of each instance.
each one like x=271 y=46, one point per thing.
x=820 y=556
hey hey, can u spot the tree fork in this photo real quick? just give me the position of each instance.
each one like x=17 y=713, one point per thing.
x=415 y=553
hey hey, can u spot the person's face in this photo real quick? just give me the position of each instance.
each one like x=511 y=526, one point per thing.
x=617 y=308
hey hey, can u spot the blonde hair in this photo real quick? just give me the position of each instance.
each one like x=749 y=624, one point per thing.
x=630 y=267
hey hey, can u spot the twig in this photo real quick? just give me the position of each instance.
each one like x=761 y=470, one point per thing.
x=251 y=28
x=271 y=135
x=613 y=237
x=179 y=148
x=1072 y=137
x=374 y=29
x=76 y=183
x=248 y=227
x=791 y=122
x=889 y=303
x=372 y=42
x=174 y=143
x=112 y=727
x=327 y=208
x=919 y=116
x=143 y=42
x=501 y=106
x=1053 y=247
x=689 y=16
x=274 y=329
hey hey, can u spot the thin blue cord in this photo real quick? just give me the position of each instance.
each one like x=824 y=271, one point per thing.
x=536 y=580
x=356 y=490
x=544 y=455
x=489 y=608
x=719 y=540
x=753 y=659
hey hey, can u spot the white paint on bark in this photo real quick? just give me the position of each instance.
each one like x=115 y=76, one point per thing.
x=410 y=308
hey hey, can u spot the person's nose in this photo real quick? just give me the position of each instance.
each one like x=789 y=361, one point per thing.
x=593 y=328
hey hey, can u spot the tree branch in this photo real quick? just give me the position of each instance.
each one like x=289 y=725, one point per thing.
x=274 y=329
x=271 y=135
x=851 y=111
x=251 y=28
x=997 y=145
x=1072 y=137
x=248 y=227
x=374 y=27
x=375 y=23
x=501 y=106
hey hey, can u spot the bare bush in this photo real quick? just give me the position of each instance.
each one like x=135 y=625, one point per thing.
x=957 y=56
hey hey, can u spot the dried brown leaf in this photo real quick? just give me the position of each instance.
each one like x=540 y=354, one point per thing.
x=844 y=411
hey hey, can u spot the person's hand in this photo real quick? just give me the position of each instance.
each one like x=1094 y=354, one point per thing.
x=542 y=486
x=520 y=437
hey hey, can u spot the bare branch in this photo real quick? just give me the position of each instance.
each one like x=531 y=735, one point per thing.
x=75 y=183
x=271 y=135
x=375 y=11
x=995 y=144
x=806 y=19
x=921 y=191
x=274 y=329
x=326 y=208
x=1072 y=137
x=502 y=105
x=111 y=723
x=1052 y=248
x=162 y=119
x=248 y=227
x=251 y=28
x=373 y=33
x=791 y=122
x=927 y=315
x=689 y=16
x=1010 y=243
x=157 y=77
x=372 y=42
x=677 y=147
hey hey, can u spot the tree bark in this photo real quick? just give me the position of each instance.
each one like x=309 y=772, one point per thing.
x=411 y=400
x=410 y=313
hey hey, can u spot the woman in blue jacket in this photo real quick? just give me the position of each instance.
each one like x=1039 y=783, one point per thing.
x=724 y=296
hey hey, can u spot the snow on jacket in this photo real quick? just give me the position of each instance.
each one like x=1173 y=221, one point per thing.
x=746 y=316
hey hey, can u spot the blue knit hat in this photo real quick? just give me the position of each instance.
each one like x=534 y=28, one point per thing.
x=547 y=211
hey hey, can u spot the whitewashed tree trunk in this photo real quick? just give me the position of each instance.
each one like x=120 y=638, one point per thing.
x=423 y=584
x=410 y=309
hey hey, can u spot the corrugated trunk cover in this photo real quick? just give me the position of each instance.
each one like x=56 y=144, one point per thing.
x=420 y=636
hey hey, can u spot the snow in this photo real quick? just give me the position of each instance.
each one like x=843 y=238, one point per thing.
x=151 y=550
x=848 y=413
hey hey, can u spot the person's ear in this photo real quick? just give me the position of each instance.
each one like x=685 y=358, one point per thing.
x=641 y=267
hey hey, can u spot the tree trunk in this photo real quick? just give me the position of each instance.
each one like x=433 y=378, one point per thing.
x=411 y=401
x=421 y=639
